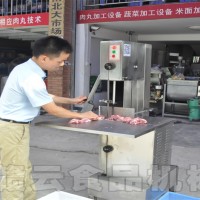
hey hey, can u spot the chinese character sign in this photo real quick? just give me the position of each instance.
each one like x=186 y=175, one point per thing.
x=135 y=13
x=56 y=17
x=35 y=19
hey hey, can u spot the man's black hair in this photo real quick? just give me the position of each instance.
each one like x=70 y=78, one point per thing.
x=51 y=46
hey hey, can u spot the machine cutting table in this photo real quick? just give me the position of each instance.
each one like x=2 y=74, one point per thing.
x=131 y=152
x=106 y=127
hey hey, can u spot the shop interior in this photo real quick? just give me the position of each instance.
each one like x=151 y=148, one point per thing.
x=12 y=52
x=171 y=60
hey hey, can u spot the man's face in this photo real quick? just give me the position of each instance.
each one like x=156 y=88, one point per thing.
x=51 y=63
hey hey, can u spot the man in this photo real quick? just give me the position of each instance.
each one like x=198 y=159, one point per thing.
x=23 y=96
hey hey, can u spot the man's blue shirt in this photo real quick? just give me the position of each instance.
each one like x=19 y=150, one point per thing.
x=24 y=93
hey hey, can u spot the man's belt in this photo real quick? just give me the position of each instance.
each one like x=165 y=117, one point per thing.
x=13 y=121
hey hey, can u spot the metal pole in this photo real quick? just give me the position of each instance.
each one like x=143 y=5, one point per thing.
x=114 y=92
x=108 y=94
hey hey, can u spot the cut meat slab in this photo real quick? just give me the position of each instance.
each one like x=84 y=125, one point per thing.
x=85 y=120
x=118 y=118
x=128 y=120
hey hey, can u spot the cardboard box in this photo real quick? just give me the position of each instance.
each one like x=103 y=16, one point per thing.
x=59 y=195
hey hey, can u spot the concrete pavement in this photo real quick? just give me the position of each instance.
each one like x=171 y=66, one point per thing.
x=65 y=154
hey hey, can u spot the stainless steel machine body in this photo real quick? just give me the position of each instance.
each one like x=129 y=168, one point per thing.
x=176 y=95
x=131 y=59
x=135 y=159
x=135 y=168
x=130 y=63
x=182 y=90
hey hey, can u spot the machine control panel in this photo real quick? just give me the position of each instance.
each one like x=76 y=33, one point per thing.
x=124 y=60
x=114 y=52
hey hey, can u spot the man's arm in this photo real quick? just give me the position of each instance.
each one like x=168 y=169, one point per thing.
x=58 y=111
x=65 y=100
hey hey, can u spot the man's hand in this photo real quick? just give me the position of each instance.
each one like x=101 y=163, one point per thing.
x=58 y=111
x=89 y=115
x=65 y=100
x=79 y=100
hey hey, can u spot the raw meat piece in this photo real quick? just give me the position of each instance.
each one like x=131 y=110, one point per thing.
x=137 y=120
x=100 y=117
x=128 y=120
x=85 y=120
x=74 y=121
x=112 y=118
x=79 y=121
x=116 y=118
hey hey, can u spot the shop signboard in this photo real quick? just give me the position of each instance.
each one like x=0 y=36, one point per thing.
x=136 y=13
x=56 y=17
x=34 y=19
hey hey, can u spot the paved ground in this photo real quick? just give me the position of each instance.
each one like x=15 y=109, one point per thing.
x=185 y=154
x=63 y=154
x=59 y=159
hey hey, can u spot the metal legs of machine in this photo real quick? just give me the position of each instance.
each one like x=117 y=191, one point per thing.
x=134 y=168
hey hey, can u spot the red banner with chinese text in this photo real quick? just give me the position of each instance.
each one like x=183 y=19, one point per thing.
x=34 y=19
x=136 y=13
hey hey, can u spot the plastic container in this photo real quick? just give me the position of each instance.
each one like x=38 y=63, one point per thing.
x=177 y=196
x=194 y=109
x=59 y=195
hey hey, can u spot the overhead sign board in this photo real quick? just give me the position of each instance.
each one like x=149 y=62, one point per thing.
x=34 y=19
x=136 y=13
